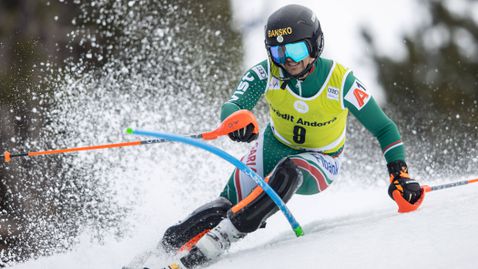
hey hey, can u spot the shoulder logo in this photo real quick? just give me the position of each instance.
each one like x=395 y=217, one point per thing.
x=333 y=93
x=260 y=72
x=358 y=95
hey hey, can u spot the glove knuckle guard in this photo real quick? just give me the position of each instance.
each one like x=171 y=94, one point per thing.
x=408 y=188
x=243 y=135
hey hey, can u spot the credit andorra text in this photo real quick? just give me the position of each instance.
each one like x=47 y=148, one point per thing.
x=301 y=121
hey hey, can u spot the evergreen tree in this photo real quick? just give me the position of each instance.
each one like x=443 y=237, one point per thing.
x=433 y=90
x=440 y=70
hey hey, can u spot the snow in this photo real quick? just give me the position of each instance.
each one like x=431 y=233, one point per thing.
x=364 y=232
x=348 y=226
x=369 y=234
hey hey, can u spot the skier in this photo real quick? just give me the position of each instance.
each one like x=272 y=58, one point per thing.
x=299 y=150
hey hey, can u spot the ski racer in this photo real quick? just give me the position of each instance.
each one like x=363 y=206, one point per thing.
x=299 y=151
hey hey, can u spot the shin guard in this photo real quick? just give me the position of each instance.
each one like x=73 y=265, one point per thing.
x=250 y=213
x=196 y=224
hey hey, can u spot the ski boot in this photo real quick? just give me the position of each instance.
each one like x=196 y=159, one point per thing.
x=210 y=246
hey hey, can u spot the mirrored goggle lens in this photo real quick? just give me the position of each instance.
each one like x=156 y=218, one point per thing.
x=295 y=51
x=278 y=54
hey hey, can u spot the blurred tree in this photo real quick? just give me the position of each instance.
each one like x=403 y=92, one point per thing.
x=434 y=88
x=44 y=203
x=32 y=41
x=440 y=69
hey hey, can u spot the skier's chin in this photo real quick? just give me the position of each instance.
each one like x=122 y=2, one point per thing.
x=294 y=68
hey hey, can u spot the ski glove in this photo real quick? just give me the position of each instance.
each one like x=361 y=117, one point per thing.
x=244 y=135
x=406 y=192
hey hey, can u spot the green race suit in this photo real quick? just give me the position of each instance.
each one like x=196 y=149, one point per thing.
x=309 y=116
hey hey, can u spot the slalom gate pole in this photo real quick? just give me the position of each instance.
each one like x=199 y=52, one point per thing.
x=241 y=166
x=427 y=188
x=235 y=121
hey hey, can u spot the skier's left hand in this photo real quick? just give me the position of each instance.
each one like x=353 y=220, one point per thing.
x=408 y=188
x=406 y=192
x=245 y=134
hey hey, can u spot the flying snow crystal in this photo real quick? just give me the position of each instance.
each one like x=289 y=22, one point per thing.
x=97 y=195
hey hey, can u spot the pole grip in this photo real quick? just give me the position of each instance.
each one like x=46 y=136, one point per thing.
x=7 y=156
x=234 y=122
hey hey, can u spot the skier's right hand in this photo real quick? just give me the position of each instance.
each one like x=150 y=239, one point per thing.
x=245 y=134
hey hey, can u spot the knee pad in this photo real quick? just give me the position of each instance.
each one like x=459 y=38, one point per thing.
x=200 y=220
x=249 y=214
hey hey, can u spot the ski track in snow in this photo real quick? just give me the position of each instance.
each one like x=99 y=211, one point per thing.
x=343 y=229
x=442 y=234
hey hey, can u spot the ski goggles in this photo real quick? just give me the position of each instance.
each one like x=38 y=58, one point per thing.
x=297 y=52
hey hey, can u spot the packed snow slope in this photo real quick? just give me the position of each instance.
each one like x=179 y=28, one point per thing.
x=344 y=228
x=367 y=233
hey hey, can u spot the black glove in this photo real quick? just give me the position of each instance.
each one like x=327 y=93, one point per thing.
x=400 y=180
x=244 y=135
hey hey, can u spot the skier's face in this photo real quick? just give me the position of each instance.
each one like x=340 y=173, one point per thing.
x=294 y=68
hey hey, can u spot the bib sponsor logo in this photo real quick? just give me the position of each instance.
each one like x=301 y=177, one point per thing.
x=251 y=159
x=331 y=167
x=315 y=123
x=333 y=93
x=284 y=116
x=274 y=84
x=279 y=32
x=301 y=106
x=260 y=72
x=358 y=95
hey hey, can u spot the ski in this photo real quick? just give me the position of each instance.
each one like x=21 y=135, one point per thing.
x=139 y=260
x=155 y=258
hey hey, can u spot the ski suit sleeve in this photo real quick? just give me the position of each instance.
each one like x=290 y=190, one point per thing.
x=248 y=92
x=363 y=106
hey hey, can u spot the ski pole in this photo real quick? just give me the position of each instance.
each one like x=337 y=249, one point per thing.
x=427 y=188
x=7 y=156
x=240 y=165
x=235 y=121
